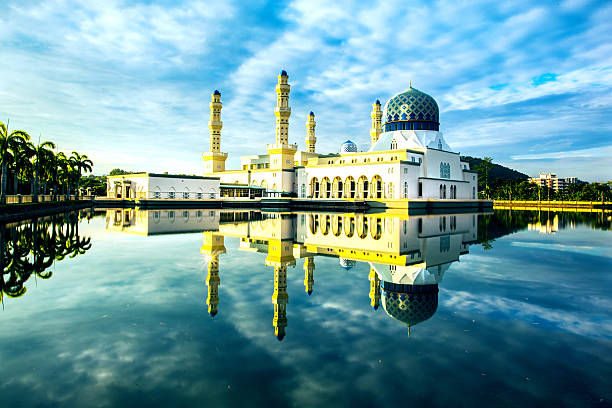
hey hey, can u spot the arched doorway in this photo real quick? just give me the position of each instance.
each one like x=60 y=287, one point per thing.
x=314 y=187
x=349 y=187
x=363 y=187
x=337 y=187
x=325 y=187
x=377 y=187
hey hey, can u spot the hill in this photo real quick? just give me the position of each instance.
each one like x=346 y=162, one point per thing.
x=497 y=171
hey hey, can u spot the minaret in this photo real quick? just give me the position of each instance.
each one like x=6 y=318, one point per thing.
x=215 y=123
x=213 y=281
x=282 y=111
x=280 y=255
x=280 y=298
x=281 y=154
x=374 y=289
x=376 y=121
x=309 y=267
x=310 y=133
x=214 y=159
x=212 y=247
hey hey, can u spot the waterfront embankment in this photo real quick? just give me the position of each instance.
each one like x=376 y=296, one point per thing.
x=565 y=205
x=16 y=212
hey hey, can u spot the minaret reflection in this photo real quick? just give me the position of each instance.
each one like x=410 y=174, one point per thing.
x=212 y=247
x=309 y=267
x=280 y=255
x=374 y=289
x=407 y=255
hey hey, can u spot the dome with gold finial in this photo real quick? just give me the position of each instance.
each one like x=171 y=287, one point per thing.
x=409 y=304
x=411 y=110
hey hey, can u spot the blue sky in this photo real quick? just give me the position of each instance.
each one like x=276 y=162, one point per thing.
x=128 y=82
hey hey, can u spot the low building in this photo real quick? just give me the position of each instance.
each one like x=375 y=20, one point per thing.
x=551 y=180
x=162 y=186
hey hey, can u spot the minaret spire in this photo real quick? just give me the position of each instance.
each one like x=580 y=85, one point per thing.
x=376 y=121
x=310 y=133
x=212 y=247
x=214 y=159
x=309 y=267
x=215 y=123
x=282 y=111
x=374 y=289
x=280 y=298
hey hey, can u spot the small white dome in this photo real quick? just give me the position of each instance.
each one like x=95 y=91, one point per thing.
x=347 y=263
x=348 y=147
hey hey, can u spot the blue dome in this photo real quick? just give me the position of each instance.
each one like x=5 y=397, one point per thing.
x=347 y=263
x=411 y=110
x=409 y=304
x=348 y=147
x=217 y=92
x=283 y=73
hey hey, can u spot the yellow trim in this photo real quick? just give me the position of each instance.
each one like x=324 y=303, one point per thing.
x=359 y=255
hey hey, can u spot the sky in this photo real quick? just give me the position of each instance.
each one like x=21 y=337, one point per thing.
x=128 y=82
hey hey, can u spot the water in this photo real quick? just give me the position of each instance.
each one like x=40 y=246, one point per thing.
x=115 y=308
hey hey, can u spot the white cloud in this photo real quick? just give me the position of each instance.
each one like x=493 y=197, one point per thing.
x=604 y=151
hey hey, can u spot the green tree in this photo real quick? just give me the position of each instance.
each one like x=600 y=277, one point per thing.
x=43 y=156
x=483 y=169
x=81 y=163
x=8 y=141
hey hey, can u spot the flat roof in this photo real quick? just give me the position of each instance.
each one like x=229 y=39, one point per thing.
x=158 y=175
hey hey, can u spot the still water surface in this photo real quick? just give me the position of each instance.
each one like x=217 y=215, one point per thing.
x=194 y=308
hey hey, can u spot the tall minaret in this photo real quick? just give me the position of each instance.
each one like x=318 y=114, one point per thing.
x=214 y=160
x=310 y=133
x=281 y=154
x=376 y=121
x=280 y=298
x=374 y=289
x=309 y=267
x=282 y=111
x=215 y=123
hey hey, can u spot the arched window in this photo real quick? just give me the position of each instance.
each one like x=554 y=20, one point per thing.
x=349 y=227
x=377 y=187
x=303 y=191
x=349 y=187
x=393 y=144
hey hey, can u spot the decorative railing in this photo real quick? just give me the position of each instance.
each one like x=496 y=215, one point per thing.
x=20 y=199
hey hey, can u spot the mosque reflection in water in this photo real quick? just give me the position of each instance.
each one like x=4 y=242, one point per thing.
x=407 y=255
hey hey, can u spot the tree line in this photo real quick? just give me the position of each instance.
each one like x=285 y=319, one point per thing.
x=31 y=248
x=522 y=189
x=35 y=168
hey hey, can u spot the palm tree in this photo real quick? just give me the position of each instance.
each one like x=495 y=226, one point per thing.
x=62 y=172
x=7 y=142
x=81 y=163
x=42 y=155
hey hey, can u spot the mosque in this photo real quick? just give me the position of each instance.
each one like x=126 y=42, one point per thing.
x=408 y=157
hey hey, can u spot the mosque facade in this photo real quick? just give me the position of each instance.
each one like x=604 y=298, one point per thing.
x=408 y=157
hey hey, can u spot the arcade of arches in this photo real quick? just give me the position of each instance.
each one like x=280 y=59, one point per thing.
x=349 y=188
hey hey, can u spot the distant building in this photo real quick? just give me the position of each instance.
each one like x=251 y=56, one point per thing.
x=551 y=180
